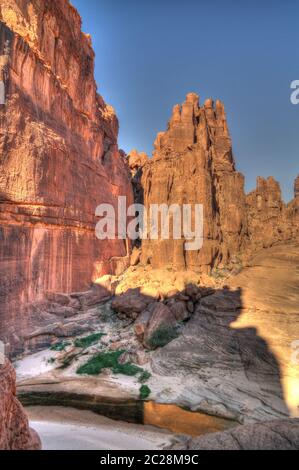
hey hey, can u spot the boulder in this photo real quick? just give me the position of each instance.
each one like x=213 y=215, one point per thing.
x=143 y=321
x=131 y=303
x=64 y=312
x=222 y=301
x=56 y=298
x=97 y=295
x=161 y=318
x=135 y=257
x=273 y=435
x=15 y=433
x=180 y=311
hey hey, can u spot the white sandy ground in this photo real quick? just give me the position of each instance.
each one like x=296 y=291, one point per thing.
x=35 y=365
x=68 y=429
x=164 y=389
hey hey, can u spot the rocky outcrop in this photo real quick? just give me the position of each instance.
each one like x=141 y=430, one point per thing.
x=292 y=212
x=275 y=435
x=193 y=163
x=15 y=433
x=268 y=220
x=236 y=356
x=226 y=371
x=158 y=311
x=59 y=160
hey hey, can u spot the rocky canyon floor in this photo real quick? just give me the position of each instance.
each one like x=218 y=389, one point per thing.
x=230 y=364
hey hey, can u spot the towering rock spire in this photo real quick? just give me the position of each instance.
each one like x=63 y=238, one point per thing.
x=193 y=163
x=203 y=127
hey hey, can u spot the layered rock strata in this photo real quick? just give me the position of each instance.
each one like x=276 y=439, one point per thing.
x=275 y=435
x=15 y=433
x=59 y=160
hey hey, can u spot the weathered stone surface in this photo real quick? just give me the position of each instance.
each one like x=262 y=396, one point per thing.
x=136 y=161
x=236 y=357
x=135 y=257
x=143 y=321
x=230 y=372
x=59 y=160
x=274 y=435
x=96 y=295
x=266 y=212
x=292 y=212
x=193 y=163
x=15 y=433
x=131 y=303
x=162 y=317
x=180 y=311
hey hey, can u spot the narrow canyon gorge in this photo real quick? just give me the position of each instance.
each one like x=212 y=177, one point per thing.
x=121 y=327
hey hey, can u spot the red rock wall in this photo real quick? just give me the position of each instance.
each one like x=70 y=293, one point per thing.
x=15 y=433
x=59 y=159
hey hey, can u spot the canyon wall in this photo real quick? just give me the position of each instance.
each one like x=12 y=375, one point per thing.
x=193 y=163
x=15 y=433
x=59 y=160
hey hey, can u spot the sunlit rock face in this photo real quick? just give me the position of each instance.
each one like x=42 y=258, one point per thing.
x=15 y=433
x=292 y=211
x=269 y=219
x=193 y=164
x=59 y=160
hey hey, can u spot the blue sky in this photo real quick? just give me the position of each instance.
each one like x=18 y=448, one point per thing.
x=151 y=53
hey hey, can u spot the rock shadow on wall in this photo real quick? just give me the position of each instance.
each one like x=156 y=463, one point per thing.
x=192 y=332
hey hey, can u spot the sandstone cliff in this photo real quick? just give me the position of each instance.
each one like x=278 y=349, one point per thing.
x=270 y=220
x=193 y=163
x=59 y=160
x=15 y=433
